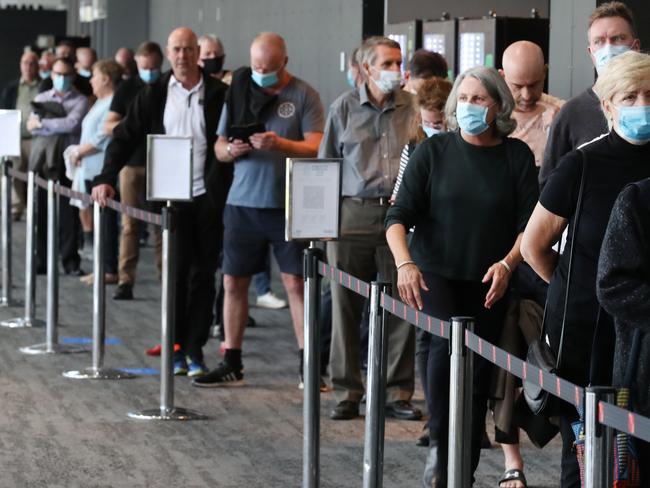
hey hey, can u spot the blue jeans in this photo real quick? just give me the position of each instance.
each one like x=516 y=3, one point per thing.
x=262 y=280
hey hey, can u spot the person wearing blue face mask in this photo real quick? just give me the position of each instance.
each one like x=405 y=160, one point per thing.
x=148 y=58
x=86 y=57
x=610 y=162
x=611 y=32
x=286 y=116
x=477 y=187
x=368 y=128
x=65 y=131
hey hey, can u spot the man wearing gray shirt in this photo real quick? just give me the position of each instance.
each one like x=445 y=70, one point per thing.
x=368 y=128
x=286 y=116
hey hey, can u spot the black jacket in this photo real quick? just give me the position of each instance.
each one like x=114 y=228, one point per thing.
x=145 y=116
x=624 y=288
x=9 y=95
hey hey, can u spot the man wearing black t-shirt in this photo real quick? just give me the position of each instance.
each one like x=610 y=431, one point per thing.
x=132 y=177
x=581 y=120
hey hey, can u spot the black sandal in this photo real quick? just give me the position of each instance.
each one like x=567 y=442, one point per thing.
x=514 y=475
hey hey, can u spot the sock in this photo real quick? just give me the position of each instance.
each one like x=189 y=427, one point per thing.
x=233 y=358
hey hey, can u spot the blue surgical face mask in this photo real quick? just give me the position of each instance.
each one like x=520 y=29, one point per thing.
x=84 y=72
x=149 y=75
x=634 y=123
x=350 y=78
x=607 y=52
x=388 y=81
x=62 y=83
x=44 y=74
x=430 y=131
x=472 y=118
x=265 y=80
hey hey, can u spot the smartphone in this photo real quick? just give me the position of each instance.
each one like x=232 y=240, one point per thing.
x=243 y=132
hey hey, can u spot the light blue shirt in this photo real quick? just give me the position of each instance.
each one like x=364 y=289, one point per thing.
x=260 y=175
x=92 y=132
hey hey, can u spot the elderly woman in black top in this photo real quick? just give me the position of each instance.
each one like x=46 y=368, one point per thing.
x=611 y=161
x=469 y=194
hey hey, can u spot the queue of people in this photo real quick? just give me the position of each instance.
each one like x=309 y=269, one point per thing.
x=457 y=194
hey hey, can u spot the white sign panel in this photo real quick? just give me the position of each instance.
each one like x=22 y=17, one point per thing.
x=169 y=168
x=313 y=199
x=9 y=132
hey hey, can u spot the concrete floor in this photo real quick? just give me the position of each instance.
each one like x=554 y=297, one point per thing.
x=57 y=432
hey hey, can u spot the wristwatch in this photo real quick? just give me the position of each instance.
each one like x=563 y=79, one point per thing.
x=229 y=150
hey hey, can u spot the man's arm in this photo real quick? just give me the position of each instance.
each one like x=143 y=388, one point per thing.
x=69 y=124
x=126 y=137
x=270 y=141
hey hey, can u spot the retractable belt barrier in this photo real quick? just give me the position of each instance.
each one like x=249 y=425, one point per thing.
x=166 y=410
x=605 y=413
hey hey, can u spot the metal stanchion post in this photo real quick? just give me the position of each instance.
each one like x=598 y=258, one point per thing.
x=311 y=372
x=460 y=405
x=97 y=370
x=5 y=239
x=599 y=440
x=28 y=319
x=51 y=345
x=373 y=451
x=167 y=410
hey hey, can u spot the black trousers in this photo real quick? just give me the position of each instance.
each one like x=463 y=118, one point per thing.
x=447 y=298
x=198 y=244
x=69 y=230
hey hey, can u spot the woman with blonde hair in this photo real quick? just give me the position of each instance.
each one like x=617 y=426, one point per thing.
x=580 y=332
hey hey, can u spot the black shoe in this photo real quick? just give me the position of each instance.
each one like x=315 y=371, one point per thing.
x=223 y=375
x=345 y=410
x=41 y=270
x=403 y=410
x=424 y=440
x=75 y=271
x=124 y=291
x=251 y=322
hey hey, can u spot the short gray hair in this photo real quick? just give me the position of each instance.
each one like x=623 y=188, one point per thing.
x=496 y=88
x=367 y=52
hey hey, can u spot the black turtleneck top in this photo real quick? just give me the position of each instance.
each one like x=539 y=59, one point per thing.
x=612 y=163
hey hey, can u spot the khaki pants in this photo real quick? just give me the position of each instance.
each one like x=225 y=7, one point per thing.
x=19 y=197
x=132 y=193
x=363 y=252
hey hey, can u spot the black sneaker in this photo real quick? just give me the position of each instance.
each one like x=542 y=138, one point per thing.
x=124 y=291
x=222 y=375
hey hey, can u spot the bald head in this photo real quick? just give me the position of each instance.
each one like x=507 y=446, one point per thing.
x=183 y=54
x=524 y=71
x=269 y=55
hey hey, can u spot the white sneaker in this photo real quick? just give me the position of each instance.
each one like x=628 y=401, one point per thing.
x=269 y=300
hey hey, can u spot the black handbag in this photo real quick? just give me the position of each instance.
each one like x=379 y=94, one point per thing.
x=540 y=353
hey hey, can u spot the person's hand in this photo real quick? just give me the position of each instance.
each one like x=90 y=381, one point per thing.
x=267 y=141
x=33 y=122
x=409 y=283
x=239 y=148
x=75 y=158
x=101 y=194
x=500 y=277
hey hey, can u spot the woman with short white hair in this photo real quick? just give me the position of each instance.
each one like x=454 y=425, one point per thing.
x=469 y=194
x=603 y=167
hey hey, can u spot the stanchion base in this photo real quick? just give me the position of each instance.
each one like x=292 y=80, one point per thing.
x=11 y=304
x=21 y=322
x=176 y=413
x=53 y=349
x=99 y=374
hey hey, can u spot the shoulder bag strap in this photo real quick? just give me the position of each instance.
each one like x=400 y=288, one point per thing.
x=576 y=220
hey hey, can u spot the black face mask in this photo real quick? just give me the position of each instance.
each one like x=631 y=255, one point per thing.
x=212 y=66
